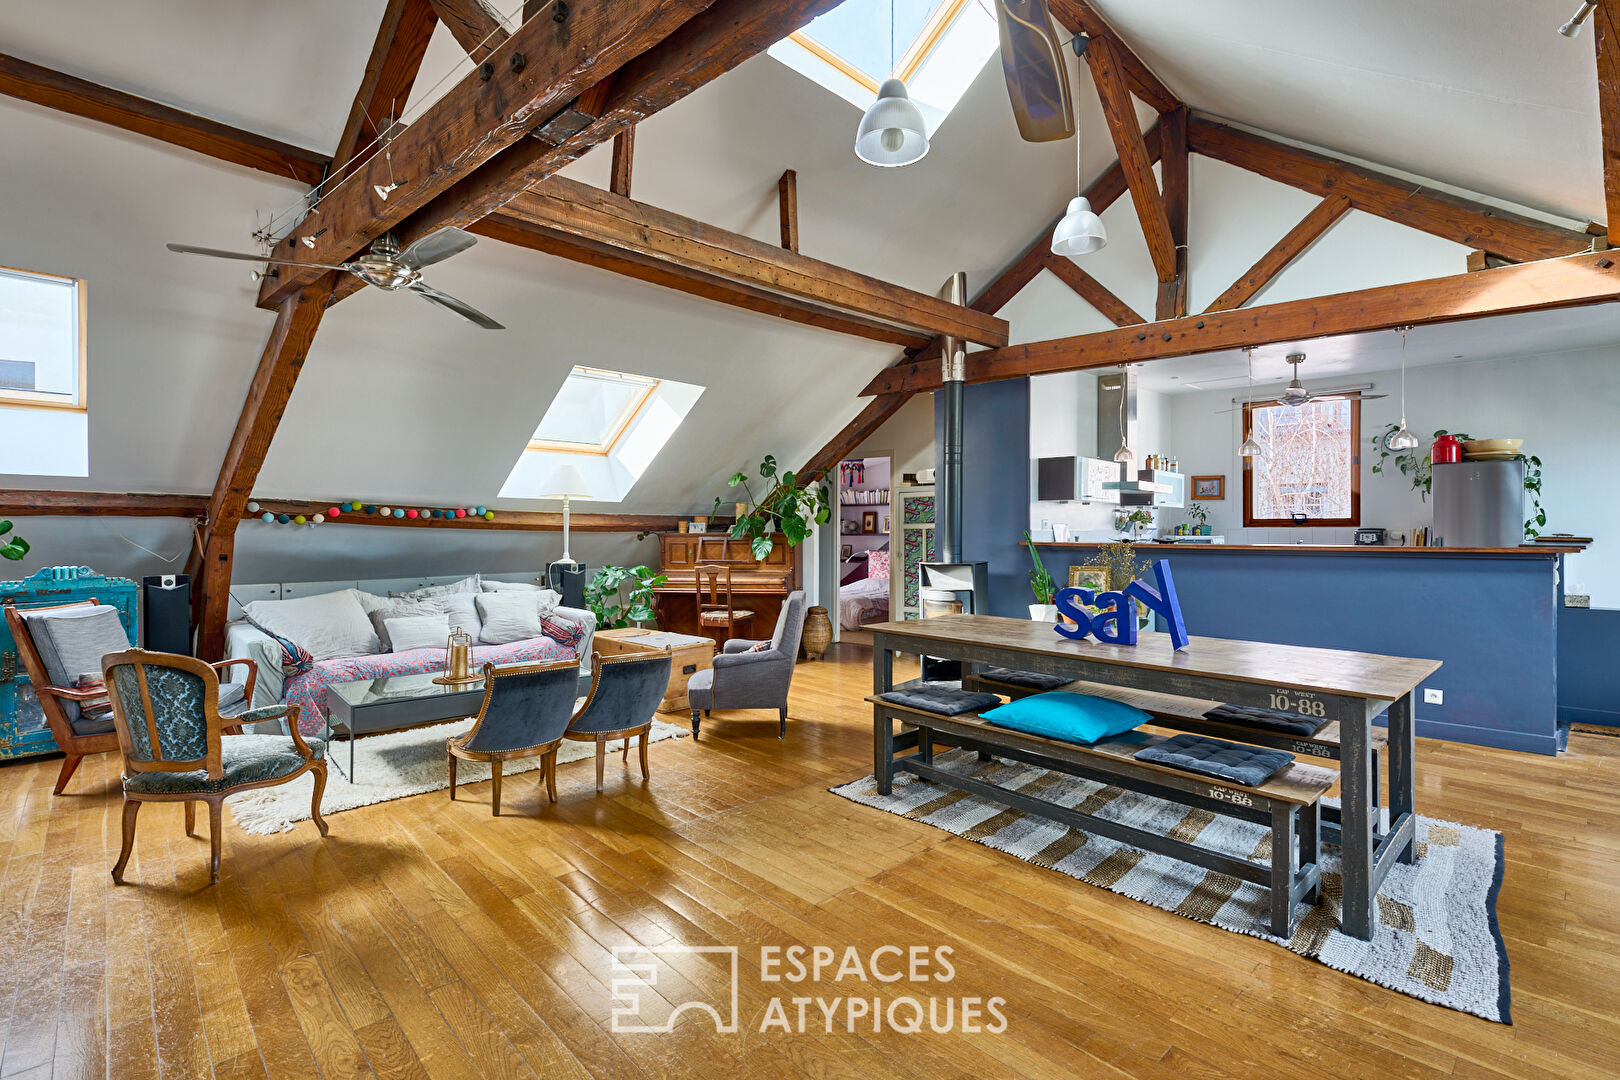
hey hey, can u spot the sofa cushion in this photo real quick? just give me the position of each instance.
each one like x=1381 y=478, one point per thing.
x=461 y=610
x=245 y=759
x=508 y=617
x=71 y=642
x=327 y=625
x=395 y=609
x=406 y=632
x=465 y=585
x=1077 y=718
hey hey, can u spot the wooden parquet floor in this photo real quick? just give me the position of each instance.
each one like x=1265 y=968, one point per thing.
x=426 y=939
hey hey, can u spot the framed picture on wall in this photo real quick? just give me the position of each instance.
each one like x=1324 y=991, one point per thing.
x=849 y=526
x=845 y=551
x=1209 y=488
x=869 y=521
x=885 y=524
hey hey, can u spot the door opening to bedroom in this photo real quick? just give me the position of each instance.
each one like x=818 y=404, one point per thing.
x=865 y=499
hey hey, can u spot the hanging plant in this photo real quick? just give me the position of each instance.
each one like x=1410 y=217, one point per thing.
x=15 y=548
x=1532 y=485
x=1419 y=470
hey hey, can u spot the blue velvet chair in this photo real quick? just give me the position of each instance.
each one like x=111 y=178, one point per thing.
x=626 y=691
x=177 y=746
x=525 y=711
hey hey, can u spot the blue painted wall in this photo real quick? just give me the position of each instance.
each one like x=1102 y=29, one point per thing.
x=1588 y=671
x=995 y=487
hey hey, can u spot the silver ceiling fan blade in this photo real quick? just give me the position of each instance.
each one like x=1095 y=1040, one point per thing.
x=437 y=246
x=216 y=253
x=465 y=310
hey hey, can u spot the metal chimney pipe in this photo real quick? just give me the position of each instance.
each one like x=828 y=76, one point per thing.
x=953 y=361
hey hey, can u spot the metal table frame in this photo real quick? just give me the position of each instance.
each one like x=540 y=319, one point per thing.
x=1368 y=848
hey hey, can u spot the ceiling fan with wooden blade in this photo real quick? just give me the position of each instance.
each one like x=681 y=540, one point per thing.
x=385 y=266
x=1032 y=63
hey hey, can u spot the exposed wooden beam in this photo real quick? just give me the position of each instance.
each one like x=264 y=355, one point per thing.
x=474 y=26
x=574 y=209
x=22 y=503
x=624 y=150
x=648 y=268
x=1093 y=291
x=70 y=94
x=1133 y=155
x=520 y=520
x=1579 y=280
x=1171 y=302
x=533 y=75
x=1285 y=251
x=705 y=47
x=396 y=57
x=1606 y=29
x=869 y=419
x=1464 y=221
x=267 y=398
x=787 y=199
x=1080 y=17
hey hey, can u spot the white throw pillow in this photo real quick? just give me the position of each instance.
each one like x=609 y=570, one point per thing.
x=418 y=631
x=370 y=602
x=328 y=626
x=461 y=610
x=508 y=617
x=488 y=585
x=465 y=585
x=396 y=609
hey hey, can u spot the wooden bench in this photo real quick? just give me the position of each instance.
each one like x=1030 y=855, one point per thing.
x=1287 y=803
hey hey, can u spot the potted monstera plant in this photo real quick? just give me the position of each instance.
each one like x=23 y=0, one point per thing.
x=788 y=507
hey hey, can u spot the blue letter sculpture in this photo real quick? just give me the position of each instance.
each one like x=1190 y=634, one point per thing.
x=1116 y=625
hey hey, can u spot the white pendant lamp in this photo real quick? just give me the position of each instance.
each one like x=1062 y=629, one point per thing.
x=1401 y=438
x=1080 y=232
x=892 y=132
x=566 y=482
x=1250 y=448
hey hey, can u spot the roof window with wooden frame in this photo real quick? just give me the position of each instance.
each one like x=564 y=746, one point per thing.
x=592 y=411
x=42 y=340
x=1310 y=463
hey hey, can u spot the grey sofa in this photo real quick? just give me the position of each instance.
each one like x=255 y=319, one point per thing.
x=744 y=679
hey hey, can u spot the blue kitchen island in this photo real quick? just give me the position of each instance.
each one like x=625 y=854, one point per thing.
x=1490 y=615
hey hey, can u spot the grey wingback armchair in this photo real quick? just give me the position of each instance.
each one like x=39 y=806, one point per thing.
x=752 y=674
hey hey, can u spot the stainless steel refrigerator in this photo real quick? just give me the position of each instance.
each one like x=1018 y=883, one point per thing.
x=1479 y=503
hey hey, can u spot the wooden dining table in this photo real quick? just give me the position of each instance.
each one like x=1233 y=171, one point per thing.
x=1351 y=689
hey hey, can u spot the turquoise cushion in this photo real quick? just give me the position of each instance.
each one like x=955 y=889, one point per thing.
x=1079 y=718
x=245 y=759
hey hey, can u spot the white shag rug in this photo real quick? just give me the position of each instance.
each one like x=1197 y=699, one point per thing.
x=1435 y=934
x=394 y=766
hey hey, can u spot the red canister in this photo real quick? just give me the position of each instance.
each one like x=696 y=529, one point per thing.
x=1446 y=450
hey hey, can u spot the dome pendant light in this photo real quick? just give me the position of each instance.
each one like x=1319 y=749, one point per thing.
x=892 y=132
x=1401 y=438
x=1081 y=231
x=1250 y=448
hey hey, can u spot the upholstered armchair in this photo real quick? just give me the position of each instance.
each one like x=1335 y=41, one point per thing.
x=526 y=709
x=177 y=747
x=752 y=674
x=626 y=691
x=57 y=644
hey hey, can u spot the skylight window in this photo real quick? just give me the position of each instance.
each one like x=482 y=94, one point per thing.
x=43 y=336
x=937 y=48
x=608 y=424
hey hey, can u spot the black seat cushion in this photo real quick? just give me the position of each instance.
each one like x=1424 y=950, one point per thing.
x=1265 y=719
x=942 y=698
x=1032 y=680
x=1247 y=765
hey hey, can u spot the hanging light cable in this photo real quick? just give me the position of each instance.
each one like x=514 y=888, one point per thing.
x=891 y=132
x=1250 y=448
x=1401 y=438
x=1080 y=232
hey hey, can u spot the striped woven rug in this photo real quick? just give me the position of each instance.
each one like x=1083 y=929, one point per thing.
x=1435 y=938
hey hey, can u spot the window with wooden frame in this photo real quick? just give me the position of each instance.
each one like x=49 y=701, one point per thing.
x=1310 y=463
x=42 y=340
x=592 y=411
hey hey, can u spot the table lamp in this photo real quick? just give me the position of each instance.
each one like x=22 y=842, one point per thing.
x=565 y=482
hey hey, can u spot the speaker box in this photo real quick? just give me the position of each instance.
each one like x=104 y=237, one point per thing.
x=167 y=622
x=569 y=581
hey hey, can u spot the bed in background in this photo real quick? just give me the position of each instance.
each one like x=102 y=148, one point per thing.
x=866 y=600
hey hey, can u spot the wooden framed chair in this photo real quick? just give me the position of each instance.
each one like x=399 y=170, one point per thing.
x=746 y=676
x=177 y=746
x=59 y=642
x=525 y=711
x=712 y=611
x=626 y=691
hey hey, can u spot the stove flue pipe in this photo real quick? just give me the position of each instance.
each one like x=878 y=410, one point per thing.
x=953 y=361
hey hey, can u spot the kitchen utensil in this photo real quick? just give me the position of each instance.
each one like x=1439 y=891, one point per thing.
x=1475 y=446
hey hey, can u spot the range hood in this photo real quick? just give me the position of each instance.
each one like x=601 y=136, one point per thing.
x=1116 y=426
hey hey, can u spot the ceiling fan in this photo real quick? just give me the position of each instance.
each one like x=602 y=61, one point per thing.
x=1296 y=394
x=386 y=267
x=1032 y=63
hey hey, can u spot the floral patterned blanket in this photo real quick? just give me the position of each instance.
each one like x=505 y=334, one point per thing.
x=308 y=689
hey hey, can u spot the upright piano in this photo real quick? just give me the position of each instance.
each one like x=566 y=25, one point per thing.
x=757 y=585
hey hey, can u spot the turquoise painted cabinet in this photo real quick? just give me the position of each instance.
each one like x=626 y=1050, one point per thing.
x=22 y=721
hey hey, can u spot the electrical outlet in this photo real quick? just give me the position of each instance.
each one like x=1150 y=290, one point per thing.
x=1572 y=599
x=1434 y=697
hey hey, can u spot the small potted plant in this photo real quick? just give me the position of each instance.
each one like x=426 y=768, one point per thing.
x=1199 y=514
x=1133 y=521
x=1041 y=584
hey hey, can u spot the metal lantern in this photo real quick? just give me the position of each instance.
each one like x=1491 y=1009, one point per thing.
x=457 y=660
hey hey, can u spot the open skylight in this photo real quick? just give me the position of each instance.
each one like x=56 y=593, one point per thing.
x=937 y=47
x=608 y=424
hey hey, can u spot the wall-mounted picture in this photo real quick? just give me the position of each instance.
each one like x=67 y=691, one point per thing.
x=1209 y=488
x=849 y=526
x=885 y=524
x=869 y=521
x=845 y=551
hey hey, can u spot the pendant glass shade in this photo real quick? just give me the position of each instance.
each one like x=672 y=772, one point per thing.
x=1080 y=232
x=892 y=132
x=1401 y=439
x=1250 y=448
x=1124 y=454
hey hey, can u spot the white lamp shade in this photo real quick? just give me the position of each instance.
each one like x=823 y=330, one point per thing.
x=892 y=132
x=565 y=482
x=1080 y=232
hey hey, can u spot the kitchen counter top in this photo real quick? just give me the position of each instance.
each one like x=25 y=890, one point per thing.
x=1532 y=551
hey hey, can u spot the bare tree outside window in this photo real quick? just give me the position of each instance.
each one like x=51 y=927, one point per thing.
x=1311 y=463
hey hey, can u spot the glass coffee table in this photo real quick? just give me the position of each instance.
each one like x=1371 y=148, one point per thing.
x=398 y=702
